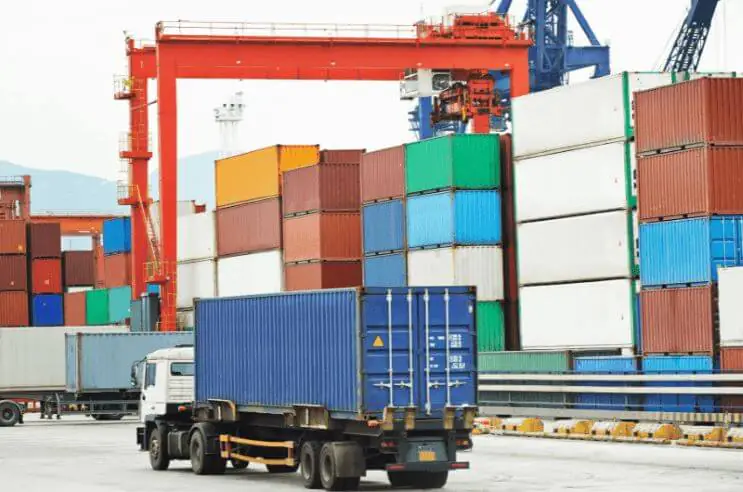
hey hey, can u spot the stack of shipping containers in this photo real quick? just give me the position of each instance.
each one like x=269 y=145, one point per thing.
x=45 y=264
x=79 y=276
x=197 y=263
x=321 y=223
x=13 y=274
x=112 y=305
x=689 y=139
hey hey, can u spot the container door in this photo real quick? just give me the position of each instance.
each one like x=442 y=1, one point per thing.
x=447 y=377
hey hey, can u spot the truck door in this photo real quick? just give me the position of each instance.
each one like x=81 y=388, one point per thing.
x=154 y=389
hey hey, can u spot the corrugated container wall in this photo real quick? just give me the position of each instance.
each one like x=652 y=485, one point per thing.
x=324 y=187
x=119 y=304
x=606 y=365
x=701 y=111
x=118 y=270
x=257 y=174
x=690 y=250
x=700 y=181
x=526 y=362
x=341 y=156
x=44 y=240
x=145 y=313
x=96 y=307
x=384 y=226
x=731 y=359
x=79 y=268
x=249 y=227
x=74 y=308
x=47 y=310
x=257 y=273
x=117 y=236
x=510 y=264
x=12 y=237
x=197 y=236
x=490 y=327
x=385 y=270
x=195 y=280
x=322 y=275
x=322 y=235
x=14 y=309
x=678 y=364
x=454 y=218
x=682 y=320
x=383 y=174
x=46 y=276
x=13 y=273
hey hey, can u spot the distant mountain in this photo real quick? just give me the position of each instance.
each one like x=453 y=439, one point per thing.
x=195 y=179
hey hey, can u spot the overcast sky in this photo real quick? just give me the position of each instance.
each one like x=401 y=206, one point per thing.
x=57 y=60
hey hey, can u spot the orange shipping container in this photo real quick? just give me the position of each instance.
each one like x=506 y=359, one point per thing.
x=249 y=227
x=322 y=236
x=255 y=175
x=118 y=270
x=74 y=308
x=322 y=275
x=46 y=276
x=700 y=181
x=12 y=237
x=731 y=359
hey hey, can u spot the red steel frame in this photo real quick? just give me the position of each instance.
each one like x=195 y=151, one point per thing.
x=220 y=56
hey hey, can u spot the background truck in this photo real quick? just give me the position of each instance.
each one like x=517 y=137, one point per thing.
x=333 y=382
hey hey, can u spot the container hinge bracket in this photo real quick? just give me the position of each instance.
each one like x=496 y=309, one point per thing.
x=457 y=384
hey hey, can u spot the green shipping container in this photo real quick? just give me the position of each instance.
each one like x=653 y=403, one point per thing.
x=490 y=327
x=96 y=307
x=455 y=161
x=119 y=304
x=525 y=362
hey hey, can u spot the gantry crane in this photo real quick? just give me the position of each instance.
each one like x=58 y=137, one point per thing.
x=277 y=52
x=692 y=37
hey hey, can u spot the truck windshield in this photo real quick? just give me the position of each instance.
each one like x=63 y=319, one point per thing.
x=181 y=369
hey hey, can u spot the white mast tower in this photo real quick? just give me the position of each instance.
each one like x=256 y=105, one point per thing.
x=229 y=116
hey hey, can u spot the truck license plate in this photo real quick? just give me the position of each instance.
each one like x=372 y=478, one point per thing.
x=426 y=455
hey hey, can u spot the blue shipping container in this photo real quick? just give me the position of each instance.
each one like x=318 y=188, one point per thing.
x=385 y=270
x=678 y=364
x=606 y=365
x=117 y=236
x=333 y=348
x=119 y=304
x=103 y=361
x=47 y=310
x=460 y=217
x=689 y=251
x=384 y=227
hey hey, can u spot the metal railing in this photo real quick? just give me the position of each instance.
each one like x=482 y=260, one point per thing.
x=11 y=180
x=319 y=30
x=122 y=85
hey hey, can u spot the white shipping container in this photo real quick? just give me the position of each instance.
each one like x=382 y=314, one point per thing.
x=183 y=207
x=33 y=359
x=576 y=115
x=257 y=273
x=590 y=315
x=731 y=308
x=195 y=280
x=196 y=237
x=481 y=266
x=589 y=180
x=587 y=247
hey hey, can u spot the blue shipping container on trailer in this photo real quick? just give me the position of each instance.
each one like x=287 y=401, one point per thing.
x=458 y=217
x=117 y=236
x=47 y=310
x=384 y=227
x=606 y=365
x=678 y=364
x=335 y=348
x=386 y=270
x=689 y=251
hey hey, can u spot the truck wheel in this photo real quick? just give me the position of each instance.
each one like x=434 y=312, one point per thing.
x=309 y=458
x=202 y=463
x=429 y=480
x=159 y=459
x=239 y=465
x=281 y=469
x=10 y=414
x=399 y=479
x=328 y=472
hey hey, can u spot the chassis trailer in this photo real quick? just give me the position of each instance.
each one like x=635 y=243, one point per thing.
x=334 y=383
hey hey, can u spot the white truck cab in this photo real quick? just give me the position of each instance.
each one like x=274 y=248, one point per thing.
x=167 y=382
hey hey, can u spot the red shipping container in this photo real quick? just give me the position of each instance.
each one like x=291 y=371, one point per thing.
x=13 y=273
x=731 y=359
x=45 y=240
x=79 y=268
x=13 y=309
x=118 y=270
x=322 y=275
x=74 y=308
x=46 y=276
x=678 y=320
x=322 y=236
x=383 y=174
x=708 y=110
x=323 y=187
x=12 y=237
x=700 y=181
x=249 y=227
x=341 y=156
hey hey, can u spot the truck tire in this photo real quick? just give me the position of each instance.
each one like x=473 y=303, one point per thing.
x=159 y=459
x=309 y=458
x=10 y=414
x=202 y=463
x=281 y=469
x=429 y=480
x=328 y=472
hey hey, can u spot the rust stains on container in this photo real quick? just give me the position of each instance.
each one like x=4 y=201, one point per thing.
x=79 y=268
x=322 y=236
x=13 y=309
x=74 y=309
x=118 y=270
x=322 y=275
x=13 y=273
x=46 y=276
x=12 y=237
x=250 y=227
x=45 y=240
x=341 y=156
x=324 y=187
x=708 y=110
x=383 y=174
x=678 y=320
x=699 y=181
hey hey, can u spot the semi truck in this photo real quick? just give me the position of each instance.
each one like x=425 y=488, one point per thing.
x=333 y=383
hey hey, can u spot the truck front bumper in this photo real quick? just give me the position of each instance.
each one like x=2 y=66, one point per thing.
x=428 y=466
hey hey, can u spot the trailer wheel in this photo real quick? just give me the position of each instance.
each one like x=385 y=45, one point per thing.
x=10 y=414
x=309 y=458
x=202 y=463
x=429 y=480
x=329 y=471
x=158 y=447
